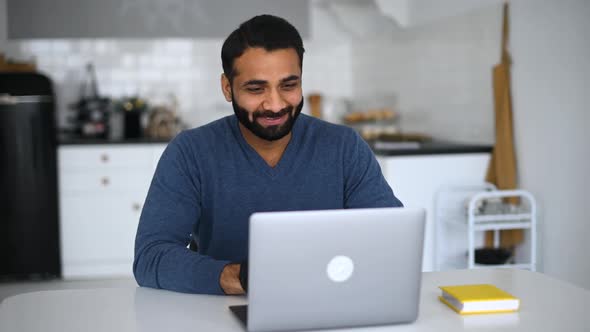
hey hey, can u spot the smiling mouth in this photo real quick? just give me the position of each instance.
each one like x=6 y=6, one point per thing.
x=272 y=121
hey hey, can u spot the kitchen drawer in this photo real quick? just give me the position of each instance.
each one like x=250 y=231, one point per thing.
x=107 y=181
x=99 y=229
x=105 y=156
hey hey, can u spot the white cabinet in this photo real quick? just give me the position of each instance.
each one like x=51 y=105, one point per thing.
x=415 y=179
x=102 y=189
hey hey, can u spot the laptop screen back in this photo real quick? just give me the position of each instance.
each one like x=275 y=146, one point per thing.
x=334 y=268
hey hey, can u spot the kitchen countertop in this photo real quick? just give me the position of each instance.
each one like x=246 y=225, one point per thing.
x=434 y=147
x=427 y=148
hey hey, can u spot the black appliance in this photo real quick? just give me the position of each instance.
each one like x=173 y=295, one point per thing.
x=29 y=230
x=133 y=110
x=91 y=111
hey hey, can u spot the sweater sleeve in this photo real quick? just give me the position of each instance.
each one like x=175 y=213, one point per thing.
x=364 y=184
x=170 y=213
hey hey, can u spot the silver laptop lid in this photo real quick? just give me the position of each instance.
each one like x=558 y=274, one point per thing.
x=334 y=268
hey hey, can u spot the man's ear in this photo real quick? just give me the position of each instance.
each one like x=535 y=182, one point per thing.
x=226 y=87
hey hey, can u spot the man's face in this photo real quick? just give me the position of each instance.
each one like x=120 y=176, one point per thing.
x=266 y=91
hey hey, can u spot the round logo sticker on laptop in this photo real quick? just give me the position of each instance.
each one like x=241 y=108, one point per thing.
x=340 y=268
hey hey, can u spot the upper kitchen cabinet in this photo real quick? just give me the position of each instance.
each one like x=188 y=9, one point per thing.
x=28 y=19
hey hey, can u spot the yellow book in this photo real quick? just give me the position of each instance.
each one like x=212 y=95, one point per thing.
x=477 y=299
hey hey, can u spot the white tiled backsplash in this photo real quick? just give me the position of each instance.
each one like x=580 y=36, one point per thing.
x=439 y=74
x=190 y=69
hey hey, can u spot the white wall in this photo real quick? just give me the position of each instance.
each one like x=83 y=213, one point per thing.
x=551 y=96
x=424 y=11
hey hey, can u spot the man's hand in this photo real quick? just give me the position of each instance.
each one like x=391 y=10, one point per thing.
x=230 y=280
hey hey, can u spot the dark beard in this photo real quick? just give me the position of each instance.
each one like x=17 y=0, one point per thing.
x=270 y=133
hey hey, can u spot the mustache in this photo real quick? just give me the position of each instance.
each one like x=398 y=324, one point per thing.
x=273 y=115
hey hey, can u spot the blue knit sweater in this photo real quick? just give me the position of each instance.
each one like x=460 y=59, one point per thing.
x=209 y=181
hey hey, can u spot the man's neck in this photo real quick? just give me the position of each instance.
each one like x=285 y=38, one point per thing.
x=270 y=151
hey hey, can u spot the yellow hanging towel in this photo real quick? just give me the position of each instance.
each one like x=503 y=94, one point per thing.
x=502 y=167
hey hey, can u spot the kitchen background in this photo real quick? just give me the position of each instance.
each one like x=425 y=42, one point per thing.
x=430 y=62
x=436 y=74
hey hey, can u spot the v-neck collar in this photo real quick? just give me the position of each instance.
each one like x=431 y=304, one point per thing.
x=258 y=161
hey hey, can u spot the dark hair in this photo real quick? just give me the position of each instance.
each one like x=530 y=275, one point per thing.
x=266 y=31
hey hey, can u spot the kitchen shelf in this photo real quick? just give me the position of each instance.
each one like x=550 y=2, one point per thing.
x=502 y=226
x=501 y=217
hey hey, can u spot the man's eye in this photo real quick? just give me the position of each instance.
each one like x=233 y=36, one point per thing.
x=254 y=90
x=289 y=86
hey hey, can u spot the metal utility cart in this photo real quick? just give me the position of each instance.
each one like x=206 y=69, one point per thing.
x=463 y=213
x=523 y=216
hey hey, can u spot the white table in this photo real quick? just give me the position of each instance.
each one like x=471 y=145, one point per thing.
x=546 y=305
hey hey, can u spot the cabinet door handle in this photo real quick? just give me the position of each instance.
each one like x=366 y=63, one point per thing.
x=104 y=158
x=136 y=206
x=105 y=181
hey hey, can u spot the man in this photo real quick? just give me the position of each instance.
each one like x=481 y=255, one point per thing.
x=268 y=157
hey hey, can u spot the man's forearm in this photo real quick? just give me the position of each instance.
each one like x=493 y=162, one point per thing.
x=230 y=280
x=174 y=267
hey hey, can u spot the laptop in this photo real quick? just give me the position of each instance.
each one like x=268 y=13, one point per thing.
x=333 y=269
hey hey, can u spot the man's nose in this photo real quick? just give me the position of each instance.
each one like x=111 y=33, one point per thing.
x=274 y=101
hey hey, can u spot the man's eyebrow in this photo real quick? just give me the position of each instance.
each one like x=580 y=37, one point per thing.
x=263 y=82
x=255 y=82
x=290 y=78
